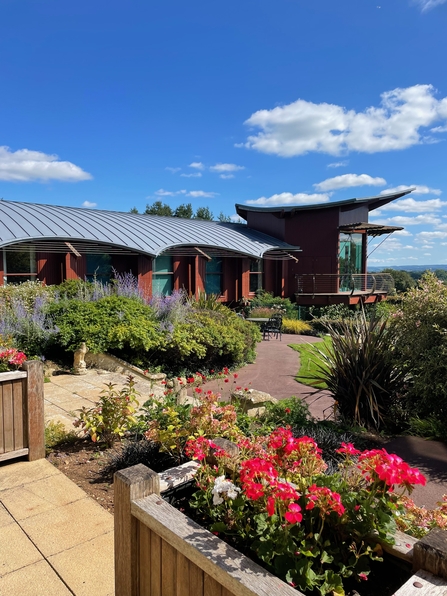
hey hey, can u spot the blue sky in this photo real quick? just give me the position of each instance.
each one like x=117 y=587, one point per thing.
x=112 y=105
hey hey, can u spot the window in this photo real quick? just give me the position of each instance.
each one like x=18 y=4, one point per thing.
x=350 y=260
x=19 y=266
x=162 y=276
x=99 y=268
x=256 y=270
x=213 y=277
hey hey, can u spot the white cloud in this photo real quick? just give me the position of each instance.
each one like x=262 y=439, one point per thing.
x=439 y=129
x=226 y=176
x=235 y=218
x=169 y=193
x=401 y=220
x=429 y=4
x=88 y=205
x=428 y=236
x=411 y=206
x=348 y=181
x=197 y=194
x=194 y=175
x=226 y=167
x=25 y=166
x=303 y=126
x=173 y=170
x=402 y=233
x=198 y=165
x=338 y=164
x=418 y=189
x=287 y=198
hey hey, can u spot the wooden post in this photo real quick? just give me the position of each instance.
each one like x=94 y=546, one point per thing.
x=34 y=409
x=136 y=482
x=430 y=553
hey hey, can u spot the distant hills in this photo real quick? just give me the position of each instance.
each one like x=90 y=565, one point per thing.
x=408 y=267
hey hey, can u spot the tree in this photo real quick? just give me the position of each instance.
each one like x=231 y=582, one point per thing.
x=184 y=211
x=159 y=208
x=441 y=274
x=133 y=210
x=402 y=279
x=203 y=213
x=224 y=218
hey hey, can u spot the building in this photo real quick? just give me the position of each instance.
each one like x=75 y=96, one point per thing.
x=315 y=253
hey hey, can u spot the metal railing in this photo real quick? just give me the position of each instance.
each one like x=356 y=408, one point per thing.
x=357 y=283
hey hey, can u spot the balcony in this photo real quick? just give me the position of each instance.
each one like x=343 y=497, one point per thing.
x=322 y=289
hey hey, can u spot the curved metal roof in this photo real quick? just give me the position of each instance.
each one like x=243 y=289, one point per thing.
x=41 y=226
x=372 y=202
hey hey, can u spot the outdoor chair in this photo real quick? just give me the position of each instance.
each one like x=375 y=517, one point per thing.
x=272 y=327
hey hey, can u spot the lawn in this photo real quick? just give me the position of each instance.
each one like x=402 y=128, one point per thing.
x=307 y=373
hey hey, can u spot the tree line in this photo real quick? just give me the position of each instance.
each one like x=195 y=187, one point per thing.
x=184 y=211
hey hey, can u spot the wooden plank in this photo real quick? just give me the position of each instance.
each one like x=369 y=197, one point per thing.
x=195 y=580
x=8 y=418
x=19 y=429
x=137 y=481
x=402 y=548
x=183 y=576
x=35 y=409
x=211 y=587
x=178 y=475
x=155 y=565
x=430 y=553
x=168 y=569
x=227 y=566
x=226 y=592
x=423 y=583
x=13 y=454
x=144 y=555
x=2 y=435
x=12 y=375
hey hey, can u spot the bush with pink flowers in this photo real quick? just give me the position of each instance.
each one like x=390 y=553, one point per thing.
x=11 y=359
x=312 y=529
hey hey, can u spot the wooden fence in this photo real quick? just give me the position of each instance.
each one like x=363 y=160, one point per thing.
x=22 y=427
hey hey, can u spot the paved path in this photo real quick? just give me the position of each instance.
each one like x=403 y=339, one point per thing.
x=54 y=539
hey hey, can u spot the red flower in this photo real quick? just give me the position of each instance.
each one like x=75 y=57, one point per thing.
x=349 y=449
x=293 y=515
x=287 y=410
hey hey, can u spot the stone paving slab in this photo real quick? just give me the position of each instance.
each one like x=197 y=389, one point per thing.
x=54 y=539
x=79 y=566
x=38 y=579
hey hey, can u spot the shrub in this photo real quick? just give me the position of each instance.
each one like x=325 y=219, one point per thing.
x=295 y=326
x=265 y=299
x=112 y=416
x=209 y=339
x=421 y=347
x=110 y=323
x=359 y=371
x=57 y=434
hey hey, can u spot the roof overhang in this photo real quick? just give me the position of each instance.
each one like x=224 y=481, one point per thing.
x=369 y=229
x=289 y=210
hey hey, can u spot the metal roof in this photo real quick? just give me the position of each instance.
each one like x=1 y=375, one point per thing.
x=49 y=227
x=372 y=202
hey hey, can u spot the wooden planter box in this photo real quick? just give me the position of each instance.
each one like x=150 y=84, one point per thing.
x=161 y=552
x=22 y=427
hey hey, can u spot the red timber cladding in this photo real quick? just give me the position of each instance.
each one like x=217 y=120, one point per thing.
x=2 y=271
x=199 y=275
x=50 y=267
x=75 y=267
x=272 y=224
x=245 y=278
x=144 y=273
x=182 y=273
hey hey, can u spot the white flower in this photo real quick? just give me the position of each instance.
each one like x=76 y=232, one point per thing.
x=221 y=485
